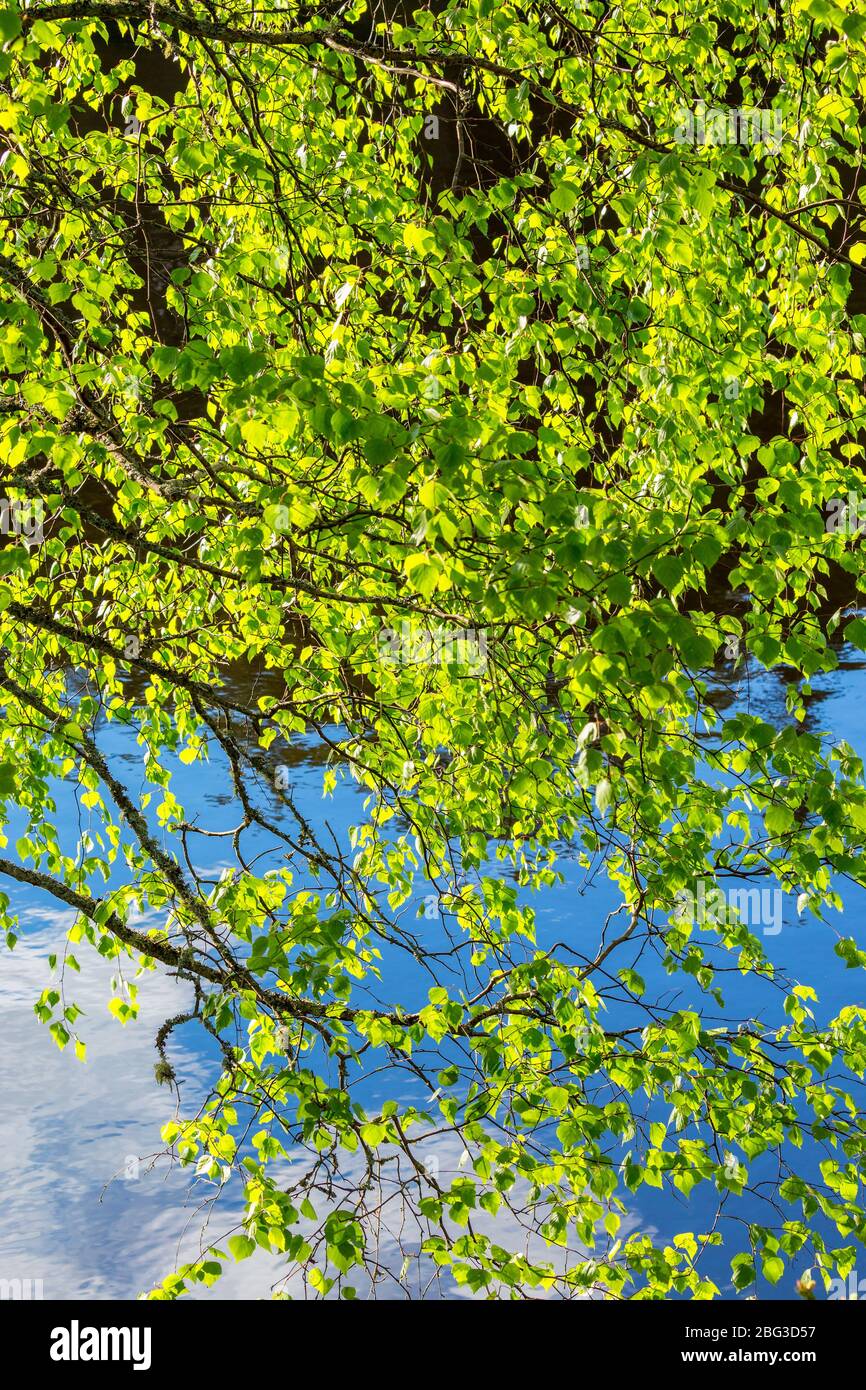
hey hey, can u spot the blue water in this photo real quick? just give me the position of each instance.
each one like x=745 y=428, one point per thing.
x=88 y=1212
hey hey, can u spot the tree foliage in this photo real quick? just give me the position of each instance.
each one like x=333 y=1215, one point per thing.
x=330 y=322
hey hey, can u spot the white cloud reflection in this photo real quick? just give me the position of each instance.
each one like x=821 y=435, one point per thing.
x=70 y=1132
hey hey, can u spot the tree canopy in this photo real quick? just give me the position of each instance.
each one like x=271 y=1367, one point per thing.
x=455 y=385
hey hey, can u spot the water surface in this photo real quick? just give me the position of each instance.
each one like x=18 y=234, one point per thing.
x=86 y=1209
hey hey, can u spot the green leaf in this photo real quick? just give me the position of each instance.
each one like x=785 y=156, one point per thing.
x=604 y=796
x=565 y=196
x=10 y=25
x=241 y=1247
